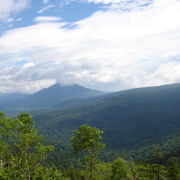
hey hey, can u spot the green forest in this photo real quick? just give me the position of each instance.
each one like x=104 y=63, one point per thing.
x=26 y=155
x=90 y=90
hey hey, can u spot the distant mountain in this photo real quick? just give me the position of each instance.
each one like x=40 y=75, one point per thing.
x=130 y=119
x=2 y=109
x=6 y=98
x=53 y=95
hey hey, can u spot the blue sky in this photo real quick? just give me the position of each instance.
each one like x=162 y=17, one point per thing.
x=68 y=11
x=103 y=44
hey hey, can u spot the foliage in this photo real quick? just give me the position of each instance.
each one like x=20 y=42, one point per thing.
x=23 y=156
x=87 y=140
x=119 y=169
x=173 y=169
x=22 y=149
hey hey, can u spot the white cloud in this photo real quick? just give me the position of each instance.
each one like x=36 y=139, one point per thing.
x=8 y=7
x=106 y=1
x=110 y=50
x=45 y=1
x=45 y=8
x=47 y=18
x=121 y=2
x=19 y=19
x=28 y=65
x=26 y=86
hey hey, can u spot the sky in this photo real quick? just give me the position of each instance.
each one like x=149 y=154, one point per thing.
x=109 y=45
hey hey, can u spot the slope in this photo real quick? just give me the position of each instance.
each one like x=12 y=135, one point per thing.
x=6 y=98
x=130 y=119
x=49 y=97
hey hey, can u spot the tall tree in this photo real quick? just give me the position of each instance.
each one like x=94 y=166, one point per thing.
x=22 y=149
x=119 y=169
x=173 y=169
x=88 y=141
x=158 y=156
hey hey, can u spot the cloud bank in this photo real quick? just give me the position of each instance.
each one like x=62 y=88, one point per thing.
x=111 y=50
x=7 y=7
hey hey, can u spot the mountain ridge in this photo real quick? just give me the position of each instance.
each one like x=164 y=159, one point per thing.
x=129 y=118
x=49 y=97
x=6 y=98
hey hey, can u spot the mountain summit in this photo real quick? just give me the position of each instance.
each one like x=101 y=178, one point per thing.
x=53 y=95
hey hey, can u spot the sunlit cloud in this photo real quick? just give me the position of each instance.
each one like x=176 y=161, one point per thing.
x=45 y=8
x=47 y=19
x=110 y=50
x=8 y=7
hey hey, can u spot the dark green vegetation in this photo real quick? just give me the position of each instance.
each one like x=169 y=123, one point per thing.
x=22 y=150
x=23 y=156
x=88 y=140
x=133 y=121
x=49 y=97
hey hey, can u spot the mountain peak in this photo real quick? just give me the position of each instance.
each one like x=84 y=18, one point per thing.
x=54 y=95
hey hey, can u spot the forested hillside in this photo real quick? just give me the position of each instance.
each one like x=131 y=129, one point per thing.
x=131 y=120
x=132 y=134
x=24 y=156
